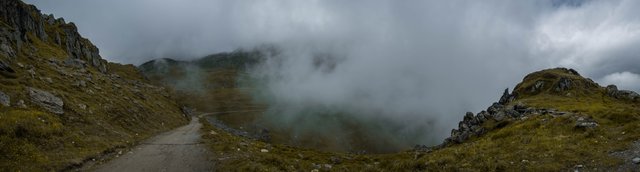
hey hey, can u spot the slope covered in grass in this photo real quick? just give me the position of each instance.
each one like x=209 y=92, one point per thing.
x=549 y=135
x=62 y=104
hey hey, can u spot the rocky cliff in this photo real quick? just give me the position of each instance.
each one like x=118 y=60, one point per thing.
x=61 y=104
x=21 y=20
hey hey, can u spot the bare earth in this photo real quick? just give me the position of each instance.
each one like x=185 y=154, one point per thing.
x=176 y=150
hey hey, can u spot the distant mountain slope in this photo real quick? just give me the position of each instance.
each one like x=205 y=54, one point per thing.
x=554 y=120
x=61 y=103
x=210 y=83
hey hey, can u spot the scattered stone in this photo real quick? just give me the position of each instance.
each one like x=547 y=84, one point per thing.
x=31 y=73
x=586 y=123
x=139 y=93
x=75 y=63
x=636 y=160
x=21 y=104
x=5 y=100
x=49 y=80
x=335 y=160
x=80 y=83
x=46 y=100
x=82 y=106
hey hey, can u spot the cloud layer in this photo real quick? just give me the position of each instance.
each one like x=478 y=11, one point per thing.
x=412 y=65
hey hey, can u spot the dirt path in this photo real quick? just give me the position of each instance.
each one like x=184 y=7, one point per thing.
x=176 y=150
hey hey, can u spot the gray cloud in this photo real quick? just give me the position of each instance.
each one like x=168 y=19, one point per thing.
x=419 y=63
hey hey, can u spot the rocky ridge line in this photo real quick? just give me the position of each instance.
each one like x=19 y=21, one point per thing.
x=23 y=19
x=503 y=111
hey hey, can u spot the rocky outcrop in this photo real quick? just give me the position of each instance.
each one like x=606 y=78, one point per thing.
x=472 y=125
x=80 y=48
x=23 y=19
x=46 y=100
x=563 y=84
x=612 y=91
x=559 y=81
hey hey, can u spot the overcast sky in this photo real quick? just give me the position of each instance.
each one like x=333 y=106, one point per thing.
x=439 y=56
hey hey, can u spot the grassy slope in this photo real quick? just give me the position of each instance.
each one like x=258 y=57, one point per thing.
x=538 y=143
x=116 y=114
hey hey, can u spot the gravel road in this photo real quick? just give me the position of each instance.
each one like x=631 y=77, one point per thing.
x=176 y=150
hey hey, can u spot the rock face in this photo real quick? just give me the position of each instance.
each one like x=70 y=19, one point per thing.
x=46 y=100
x=81 y=48
x=21 y=17
x=27 y=19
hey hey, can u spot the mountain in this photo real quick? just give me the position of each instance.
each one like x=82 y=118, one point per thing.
x=210 y=83
x=61 y=103
x=554 y=120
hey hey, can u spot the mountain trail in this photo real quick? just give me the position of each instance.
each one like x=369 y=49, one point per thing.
x=178 y=150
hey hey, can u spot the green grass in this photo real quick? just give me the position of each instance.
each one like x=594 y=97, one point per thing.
x=120 y=111
x=538 y=143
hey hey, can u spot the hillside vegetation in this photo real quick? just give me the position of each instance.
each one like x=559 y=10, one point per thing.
x=61 y=104
x=554 y=120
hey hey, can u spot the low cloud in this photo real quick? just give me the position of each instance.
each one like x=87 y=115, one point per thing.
x=625 y=80
x=409 y=69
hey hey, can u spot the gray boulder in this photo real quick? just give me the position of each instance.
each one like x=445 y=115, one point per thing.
x=21 y=104
x=75 y=63
x=46 y=100
x=612 y=90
